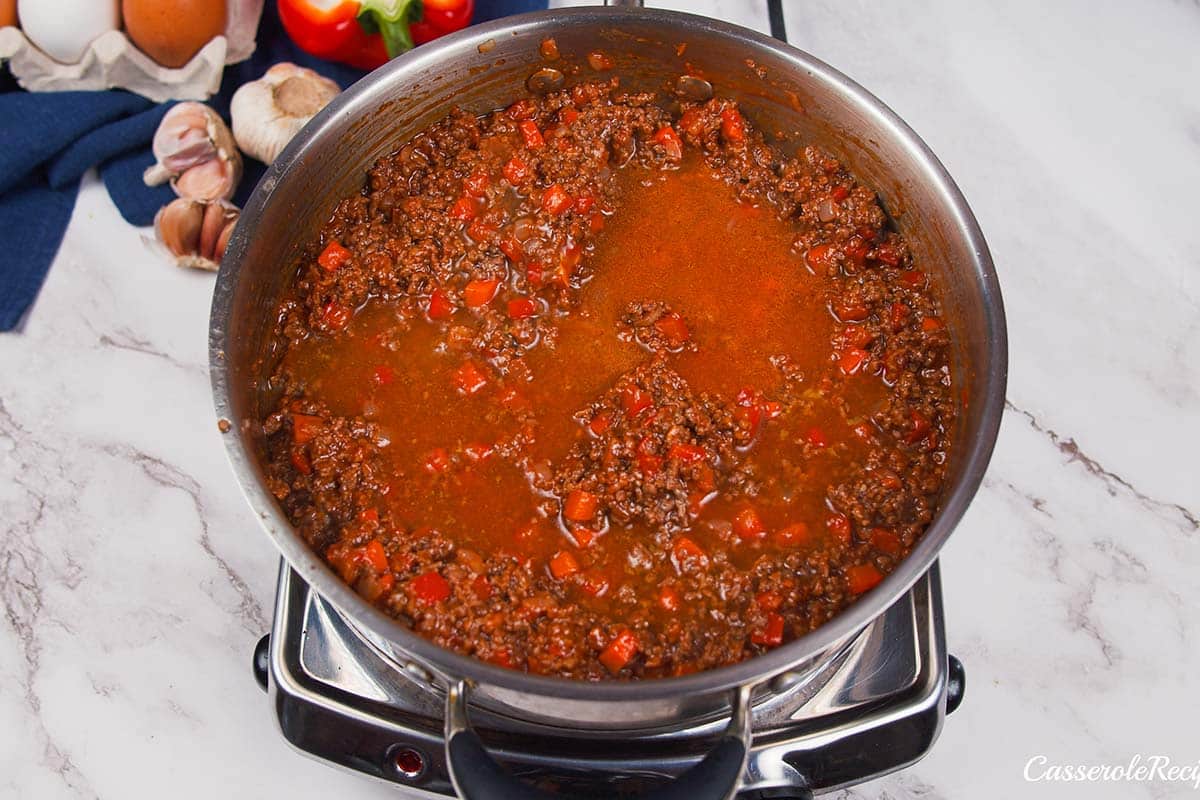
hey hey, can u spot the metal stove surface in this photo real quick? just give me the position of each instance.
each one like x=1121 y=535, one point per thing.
x=874 y=707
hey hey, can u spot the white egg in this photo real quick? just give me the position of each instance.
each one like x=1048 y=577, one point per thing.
x=63 y=29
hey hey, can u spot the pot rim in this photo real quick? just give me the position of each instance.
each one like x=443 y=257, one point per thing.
x=446 y=663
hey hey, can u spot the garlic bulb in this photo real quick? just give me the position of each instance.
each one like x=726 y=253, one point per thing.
x=268 y=112
x=196 y=153
x=196 y=232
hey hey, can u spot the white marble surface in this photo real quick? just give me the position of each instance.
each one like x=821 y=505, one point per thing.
x=135 y=581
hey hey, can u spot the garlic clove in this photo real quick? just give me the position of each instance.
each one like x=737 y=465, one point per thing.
x=192 y=138
x=195 y=232
x=178 y=226
x=213 y=180
x=269 y=112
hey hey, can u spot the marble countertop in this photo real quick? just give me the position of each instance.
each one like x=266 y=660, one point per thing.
x=135 y=581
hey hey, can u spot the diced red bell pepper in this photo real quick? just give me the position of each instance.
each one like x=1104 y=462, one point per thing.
x=522 y=308
x=768 y=601
x=430 y=587
x=687 y=453
x=885 y=541
x=580 y=506
x=620 y=651
x=771 y=635
x=333 y=256
x=335 y=316
x=439 y=306
x=583 y=204
x=300 y=461
x=673 y=328
x=480 y=292
x=600 y=423
x=476 y=184
x=733 y=126
x=555 y=199
x=515 y=171
x=671 y=143
x=685 y=552
x=305 y=427
x=821 y=258
x=793 y=535
x=469 y=378
x=862 y=578
x=563 y=565
x=852 y=360
x=593 y=582
x=530 y=134
x=839 y=526
x=522 y=109
x=463 y=209
x=668 y=599
x=748 y=525
x=634 y=400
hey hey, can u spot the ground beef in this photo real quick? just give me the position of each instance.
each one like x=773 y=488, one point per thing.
x=657 y=541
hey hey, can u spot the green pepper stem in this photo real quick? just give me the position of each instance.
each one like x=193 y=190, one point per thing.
x=390 y=18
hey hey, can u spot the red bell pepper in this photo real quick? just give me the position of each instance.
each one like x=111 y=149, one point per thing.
x=366 y=33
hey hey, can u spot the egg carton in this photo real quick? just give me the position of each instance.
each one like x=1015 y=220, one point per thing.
x=111 y=61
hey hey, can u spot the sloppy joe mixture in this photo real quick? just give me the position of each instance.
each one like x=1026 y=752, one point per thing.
x=602 y=385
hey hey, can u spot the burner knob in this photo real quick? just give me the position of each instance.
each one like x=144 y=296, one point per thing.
x=262 y=660
x=956 y=684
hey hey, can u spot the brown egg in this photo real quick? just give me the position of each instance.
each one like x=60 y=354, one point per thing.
x=8 y=13
x=172 y=31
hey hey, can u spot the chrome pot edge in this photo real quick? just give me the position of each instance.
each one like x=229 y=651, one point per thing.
x=584 y=702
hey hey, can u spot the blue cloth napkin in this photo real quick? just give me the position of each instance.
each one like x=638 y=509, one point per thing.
x=50 y=139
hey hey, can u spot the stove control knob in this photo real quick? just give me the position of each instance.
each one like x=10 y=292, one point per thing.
x=262 y=660
x=956 y=684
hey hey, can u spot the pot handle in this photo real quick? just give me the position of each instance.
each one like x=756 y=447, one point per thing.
x=477 y=776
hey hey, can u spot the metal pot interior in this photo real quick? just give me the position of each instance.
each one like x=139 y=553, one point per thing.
x=794 y=98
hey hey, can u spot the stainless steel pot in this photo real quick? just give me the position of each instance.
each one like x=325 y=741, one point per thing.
x=788 y=94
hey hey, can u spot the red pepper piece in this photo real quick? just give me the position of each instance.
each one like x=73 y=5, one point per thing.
x=671 y=143
x=733 y=126
x=635 y=401
x=555 y=199
x=687 y=453
x=480 y=292
x=620 y=651
x=748 y=525
x=673 y=328
x=469 y=378
x=580 y=505
x=305 y=427
x=862 y=578
x=839 y=526
x=522 y=308
x=794 y=535
x=440 y=306
x=430 y=587
x=563 y=564
x=771 y=635
x=333 y=256
x=476 y=184
x=515 y=171
x=530 y=134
